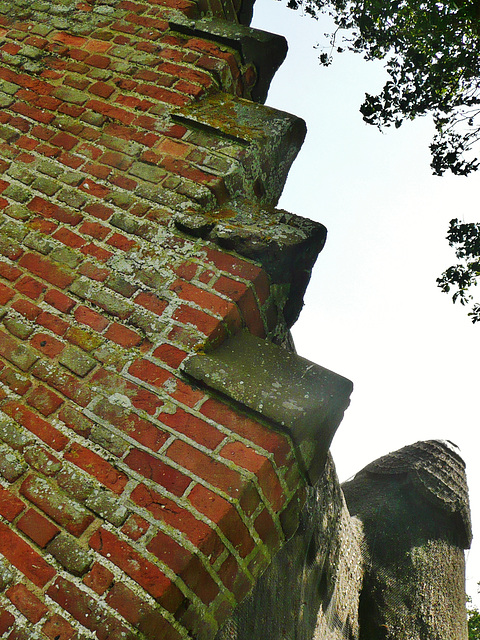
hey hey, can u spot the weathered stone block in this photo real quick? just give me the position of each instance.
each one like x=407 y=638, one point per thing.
x=291 y=392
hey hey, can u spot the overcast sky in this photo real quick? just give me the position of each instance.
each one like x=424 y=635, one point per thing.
x=373 y=312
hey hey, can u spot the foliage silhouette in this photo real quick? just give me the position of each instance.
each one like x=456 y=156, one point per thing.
x=431 y=50
x=473 y=619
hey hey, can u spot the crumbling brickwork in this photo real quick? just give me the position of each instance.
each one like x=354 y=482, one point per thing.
x=133 y=503
x=143 y=488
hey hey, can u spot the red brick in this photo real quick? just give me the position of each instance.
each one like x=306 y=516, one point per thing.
x=271 y=441
x=93 y=188
x=20 y=123
x=30 y=287
x=123 y=335
x=10 y=505
x=42 y=460
x=74 y=162
x=149 y=372
x=186 y=394
x=251 y=314
x=37 y=527
x=231 y=264
x=32 y=112
x=147 y=619
x=48 y=151
x=191 y=426
x=151 y=302
x=188 y=270
x=207 y=468
x=75 y=420
x=46 y=227
x=52 y=322
x=97 y=46
x=9 y=272
x=126 y=558
x=247 y=458
x=119 y=180
x=90 y=318
x=42 y=132
x=44 y=430
x=57 y=628
x=50 y=210
x=135 y=526
x=95 y=230
x=66 y=512
x=167 y=511
x=6 y=294
x=15 y=381
x=228 y=573
x=93 y=272
x=117 y=160
x=99 y=210
x=48 y=345
x=151 y=157
x=26 y=308
x=127 y=603
x=62 y=381
x=162 y=94
x=233 y=289
x=224 y=515
x=157 y=471
x=120 y=242
x=110 y=111
x=79 y=604
x=265 y=528
x=190 y=316
x=69 y=39
x=204 y=299
x=11 y=48
x=184 y=169
x=138 y=428
x=99 y=578
x=174 y=148
x=175 y=131
x=22 y=556
x=59 y=300
x=170 y=355
x=184 y=564
x=95 y=60
x=6 y=621
x=68 y=238
x=64 y=140
x=141 y=399
x=44 y=400
x=101 y=89
x=96 y=170
x=27 y=143
x=97 y=252
x=96 y=466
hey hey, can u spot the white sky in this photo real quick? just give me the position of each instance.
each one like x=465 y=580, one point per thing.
x=373 y=312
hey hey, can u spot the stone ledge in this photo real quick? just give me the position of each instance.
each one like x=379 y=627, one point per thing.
x=291 y=392
x=271 y=140
x=266 y=51
x=284 y=244
x=234 y=10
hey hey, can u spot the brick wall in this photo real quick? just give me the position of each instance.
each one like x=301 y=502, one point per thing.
x=133 y=503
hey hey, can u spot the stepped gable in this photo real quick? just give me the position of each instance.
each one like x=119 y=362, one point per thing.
x=137 y=233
